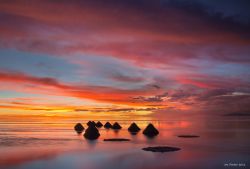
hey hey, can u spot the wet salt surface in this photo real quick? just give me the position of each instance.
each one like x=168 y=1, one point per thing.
x=57 y=145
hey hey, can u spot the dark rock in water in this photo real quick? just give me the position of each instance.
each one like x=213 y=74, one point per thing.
x=116 y=126
x=108 y=125
x=91 y=123
x=133 y=128
x=150 y=131
x=99 y=124
x=161 y=149
x=91 y=133
x=79 y=128
x=117 y=139
x=188 y=136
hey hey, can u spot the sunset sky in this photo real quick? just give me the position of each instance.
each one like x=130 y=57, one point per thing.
x=124 y=57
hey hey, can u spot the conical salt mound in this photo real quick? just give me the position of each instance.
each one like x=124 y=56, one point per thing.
x=108 y=125
x=91 y=123
x=133 y=128
x=150 y=131
x=91 y=133
x=79 y=128
x=99 y=124
x=116 y=126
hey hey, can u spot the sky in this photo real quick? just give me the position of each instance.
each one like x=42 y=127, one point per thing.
x=117 y=58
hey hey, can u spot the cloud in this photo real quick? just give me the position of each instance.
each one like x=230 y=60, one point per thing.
x=21 y=77
x=144 y=32
x=221 y=102
x=211 y=101
x=215 y=100
x=125 y=78
x=148 y=52
x=209 y=81
x=156 y=98
x=54 y=87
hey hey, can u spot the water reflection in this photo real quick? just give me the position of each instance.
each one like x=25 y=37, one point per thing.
x=91 y=143
x=49 y=145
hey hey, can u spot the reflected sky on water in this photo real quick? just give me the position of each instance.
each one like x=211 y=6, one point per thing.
x=39 y=145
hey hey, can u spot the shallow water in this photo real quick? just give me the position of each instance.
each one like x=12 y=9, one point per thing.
x=28 y=144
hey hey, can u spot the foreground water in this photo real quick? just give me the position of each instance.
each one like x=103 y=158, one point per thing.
x=223 y=143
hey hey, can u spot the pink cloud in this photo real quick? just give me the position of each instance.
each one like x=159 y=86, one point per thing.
x=211 y=82
x=161 y=36
x=53 y=86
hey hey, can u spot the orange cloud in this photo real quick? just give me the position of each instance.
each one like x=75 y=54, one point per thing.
x=99 y=93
